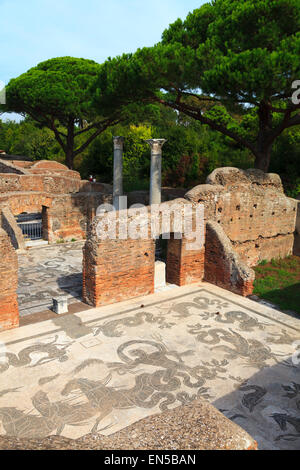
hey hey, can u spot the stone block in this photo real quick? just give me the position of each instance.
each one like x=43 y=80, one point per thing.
x=159 y=274
x=60 y=305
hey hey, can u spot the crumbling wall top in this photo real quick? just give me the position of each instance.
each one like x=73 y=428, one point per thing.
x=230 y=176
x=10 y=168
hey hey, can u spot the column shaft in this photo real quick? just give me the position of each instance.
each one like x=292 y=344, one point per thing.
x=118 y=170
x=155 y=176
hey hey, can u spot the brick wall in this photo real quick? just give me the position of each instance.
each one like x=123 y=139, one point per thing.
x=223 y=266
x=183 y=266
x=120 y=269
x=66 y=202
x=68 y=216
x=9 y=312
x=116 y=270
x=253 y=210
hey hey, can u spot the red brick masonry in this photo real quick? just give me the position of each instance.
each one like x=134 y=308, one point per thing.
x=9 y=311
x=116 y=270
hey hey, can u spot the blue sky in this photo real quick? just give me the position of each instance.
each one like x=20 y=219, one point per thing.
x=35 y=30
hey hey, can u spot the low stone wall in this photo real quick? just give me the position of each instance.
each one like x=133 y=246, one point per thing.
x=31 y=202
x=9 y=312
x=42 y=183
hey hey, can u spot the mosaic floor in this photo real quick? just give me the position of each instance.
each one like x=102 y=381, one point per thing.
x=106 y=368
x=49 y=271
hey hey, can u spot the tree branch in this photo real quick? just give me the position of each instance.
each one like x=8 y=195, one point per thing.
x=196 y=114
x=57 y=135
x=93 y=136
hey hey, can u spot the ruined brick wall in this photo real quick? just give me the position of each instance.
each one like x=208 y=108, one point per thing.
x=183 y=266
x=10 y=226
x=57 y=184
x=6 y=168
x=120 y=269
x=69 y=216
x=223 y=266
x=9 y=312
x=117 y=270
x=46 y=177
x=31 y=202
x=66 y=202
x=253 y=210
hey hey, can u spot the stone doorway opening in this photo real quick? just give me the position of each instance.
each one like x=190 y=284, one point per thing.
x=163 y=278
x=31 y=225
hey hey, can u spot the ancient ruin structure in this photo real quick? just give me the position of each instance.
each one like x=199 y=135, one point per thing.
x=252 y=210
x=9 y=312
x=65 y=202
x=118 y=269
x=248 y=219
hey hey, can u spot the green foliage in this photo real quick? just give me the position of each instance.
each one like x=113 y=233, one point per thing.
x=286 y=161
x=136 y=158
x=279 y=282
x=57 y=95
x=227 y=60
x=192 y=151
x=228 y=67
x=55 y=89
x=28 y=139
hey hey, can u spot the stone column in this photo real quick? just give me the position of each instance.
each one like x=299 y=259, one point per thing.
x=118 y=170
x=155 y=177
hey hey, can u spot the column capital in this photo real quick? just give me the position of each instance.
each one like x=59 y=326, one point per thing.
x=156 y=144
x=118 y=142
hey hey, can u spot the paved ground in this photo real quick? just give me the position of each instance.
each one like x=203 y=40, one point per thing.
x=195 y=426
x=52 y=271
x=49 y=271
x=106 y=368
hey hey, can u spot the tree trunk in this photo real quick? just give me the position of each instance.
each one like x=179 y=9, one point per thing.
x=264 y=146
x=70 y=144
x=262 y=160
x=69 y=158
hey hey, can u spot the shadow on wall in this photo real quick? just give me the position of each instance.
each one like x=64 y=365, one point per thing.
x=267 y=405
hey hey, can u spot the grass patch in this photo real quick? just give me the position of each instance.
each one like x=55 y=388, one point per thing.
x=279 y=282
